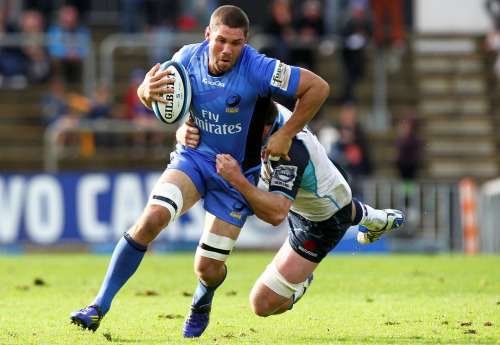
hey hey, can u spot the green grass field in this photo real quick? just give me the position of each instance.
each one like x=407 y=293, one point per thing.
x=358 y=299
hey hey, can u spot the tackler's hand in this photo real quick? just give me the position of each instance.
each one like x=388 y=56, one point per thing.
x=278 y=146
x=229 y=169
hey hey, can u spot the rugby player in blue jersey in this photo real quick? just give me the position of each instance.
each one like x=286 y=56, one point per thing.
x=309 y=191
x=230 y=83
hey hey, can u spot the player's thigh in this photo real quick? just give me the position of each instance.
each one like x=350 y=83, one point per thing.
x=293 y=267
x=216 y=244
x=190 y=194
x=173 y=194
x=220 y=227
x=265 y=300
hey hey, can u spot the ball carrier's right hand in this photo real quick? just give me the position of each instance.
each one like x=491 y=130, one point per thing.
x=153 y=85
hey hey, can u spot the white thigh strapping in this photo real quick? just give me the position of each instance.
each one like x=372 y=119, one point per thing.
x=276 y=282
x=214 y=246
x=169 y=196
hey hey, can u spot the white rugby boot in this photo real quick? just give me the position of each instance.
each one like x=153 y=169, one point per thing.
x=371 y=233
x=302 y=290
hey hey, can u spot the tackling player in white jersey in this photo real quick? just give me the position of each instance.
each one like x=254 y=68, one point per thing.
x=313 y=194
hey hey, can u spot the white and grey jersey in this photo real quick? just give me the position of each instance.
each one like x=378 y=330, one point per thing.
x=310 y=179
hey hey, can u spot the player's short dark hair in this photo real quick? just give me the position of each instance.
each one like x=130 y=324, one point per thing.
x=271 y=111
x=232 y=16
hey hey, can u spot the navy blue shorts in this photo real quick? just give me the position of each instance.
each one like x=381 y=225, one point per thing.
x=314 y=240
x=220 y=199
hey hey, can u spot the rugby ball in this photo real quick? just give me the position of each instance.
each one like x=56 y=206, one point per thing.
x=178 y=101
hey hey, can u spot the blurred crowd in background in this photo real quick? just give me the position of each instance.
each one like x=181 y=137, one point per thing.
x=359 y=26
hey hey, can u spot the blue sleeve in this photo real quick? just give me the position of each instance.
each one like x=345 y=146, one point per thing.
x=272 y=76
x=185 y=54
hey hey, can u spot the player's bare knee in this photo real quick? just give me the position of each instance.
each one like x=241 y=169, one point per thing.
x=210 y=272
x=149 y=225
x=261 y=311
x=156 y=217
x=261 y=305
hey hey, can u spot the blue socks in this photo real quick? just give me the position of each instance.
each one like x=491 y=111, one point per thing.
x=203 y=295
x=126 y=258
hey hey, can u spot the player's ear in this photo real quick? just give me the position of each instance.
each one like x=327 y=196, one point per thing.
x=207 y=33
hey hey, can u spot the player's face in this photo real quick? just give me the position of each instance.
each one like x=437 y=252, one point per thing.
x=224 y=48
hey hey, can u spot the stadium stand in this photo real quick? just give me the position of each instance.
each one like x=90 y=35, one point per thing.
x=21 y=129
x=454 y=102
x=452 y=90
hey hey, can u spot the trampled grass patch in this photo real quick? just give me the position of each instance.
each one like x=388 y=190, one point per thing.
x=359 y=299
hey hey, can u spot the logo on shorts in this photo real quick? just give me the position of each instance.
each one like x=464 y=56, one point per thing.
x=236 y=215
x=238 y=206
x=284 y=176
x=308 y=247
